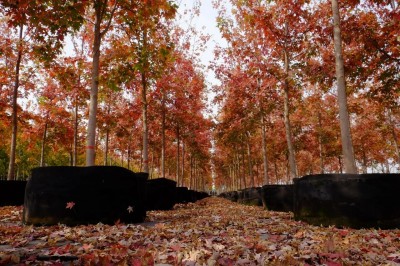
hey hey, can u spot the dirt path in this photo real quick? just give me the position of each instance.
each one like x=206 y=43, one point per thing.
x=212 y=231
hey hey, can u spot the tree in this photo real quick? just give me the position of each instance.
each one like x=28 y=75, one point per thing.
x=103 y=13
x=47 y=22
x=347 y=145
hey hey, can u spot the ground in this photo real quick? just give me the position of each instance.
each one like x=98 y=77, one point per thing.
x=212 y=231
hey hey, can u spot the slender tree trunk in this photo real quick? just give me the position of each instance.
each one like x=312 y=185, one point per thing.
x=203 y=182
x=91 y=131
x=393 y=4
x=321 y=148
x=100 y=8
x=14 y=123
x=364 y=166
x=76 y=124
x=177 y=155
x=237 y=160
x=183 y=162
x=288 y=127
x=340 y=164
x=191 y=173
x=106 y=147
x=194 y=174
x=250 y=163
x=145 y=125
x=243 y=170
x=394 y=136
x=276 y=169
x=347 y=144
x=129 y=157
x=163 y=135
x=151 y=168
x=43 y=143
x=264 y=151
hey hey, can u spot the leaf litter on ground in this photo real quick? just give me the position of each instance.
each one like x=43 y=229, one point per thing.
x=213 y=231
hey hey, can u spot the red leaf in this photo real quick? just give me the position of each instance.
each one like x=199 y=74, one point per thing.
x=70 y=205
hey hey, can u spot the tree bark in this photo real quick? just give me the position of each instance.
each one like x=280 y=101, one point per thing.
x=91 y=131
x=43 y=142
x=321 y=151
x=100 y=8
x=394 y=136
x=106 y=147
x=14 y=123
x=243 y=170
x=183 y=163
x=129 y=157
x=163 y=135
x=177 y=156
x=347 y=144
x=264 y=151
x=76 y=124
x=145 y=153
x=250 y=163
x=191 y=173
x=288 y=127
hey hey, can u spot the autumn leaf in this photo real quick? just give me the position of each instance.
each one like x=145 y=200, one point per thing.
x=87 y=247
x=130 y=209
x=70 y=205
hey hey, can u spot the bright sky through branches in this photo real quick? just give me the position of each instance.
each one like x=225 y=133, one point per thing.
x=206 y=24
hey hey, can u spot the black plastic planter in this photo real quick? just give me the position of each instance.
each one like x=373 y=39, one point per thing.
x=202 y=195
x=160 y=194
x=231 y=195
x=12 y=193
x=251 y=196
x=278 y=197
x=346 y=200
x=84 y=195
x=182 y=195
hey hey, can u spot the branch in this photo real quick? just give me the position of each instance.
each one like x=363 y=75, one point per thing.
x=110 y=19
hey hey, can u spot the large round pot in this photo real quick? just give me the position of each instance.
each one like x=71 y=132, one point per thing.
x=160 y=194
x=348 y=200
x=12 y=193
x=278 y=197
x=250 y=196
x=84 y=195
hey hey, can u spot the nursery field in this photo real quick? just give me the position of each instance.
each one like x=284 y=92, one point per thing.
x=212 y=231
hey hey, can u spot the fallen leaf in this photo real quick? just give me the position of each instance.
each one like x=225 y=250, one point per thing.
x=70 y=205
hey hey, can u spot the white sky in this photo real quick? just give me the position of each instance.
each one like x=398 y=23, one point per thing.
x=205 y=23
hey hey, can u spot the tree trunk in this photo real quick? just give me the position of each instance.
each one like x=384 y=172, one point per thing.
x=393 y=4
x=163 y=135
x=237 y=160
x=91 y=131
x=321 y=151
x=364 y=166
x=106 y=147
x=76 y=124
x=14 y=123
x=250 y=164
x=183 y=163
x=191 y=173
x=264 y=151
x=394 y=136
x=145 y=125
x=43 y=142
x=129 y=157
x=177 y=156
x=347 y=145
x=243 y=170
x=288 y=127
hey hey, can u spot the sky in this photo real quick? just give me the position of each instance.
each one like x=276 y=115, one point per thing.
x=206 y=23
